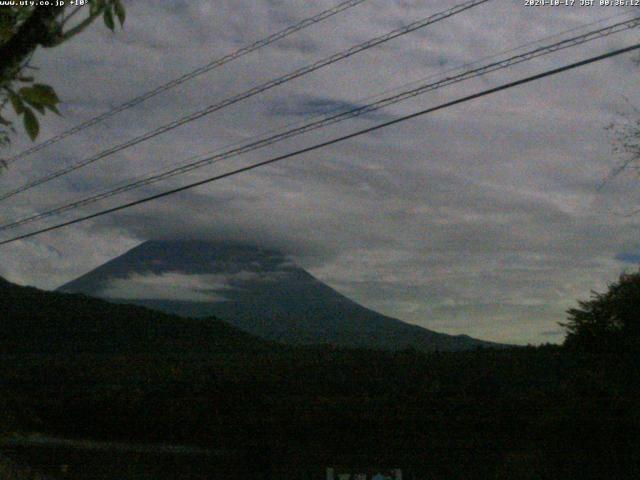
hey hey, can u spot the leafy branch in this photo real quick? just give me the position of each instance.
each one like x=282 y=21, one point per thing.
x=22 y=30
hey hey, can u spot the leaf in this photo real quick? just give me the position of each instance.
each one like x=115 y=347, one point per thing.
x=120 y=12
x=95 y=6
x=54 y=109
x=4 y=121
x=31 y=124
x=108 y=19
x=39 y=94
x=47 y=90
x=18 y=106
x=38 y=107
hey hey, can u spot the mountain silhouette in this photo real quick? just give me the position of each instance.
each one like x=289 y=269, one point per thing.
x=258 y=290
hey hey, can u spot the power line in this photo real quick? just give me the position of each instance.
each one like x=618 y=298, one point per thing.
x=318 y=146
x=324 y=122
x=493 y=56
x=307 y=22
x=250 y=93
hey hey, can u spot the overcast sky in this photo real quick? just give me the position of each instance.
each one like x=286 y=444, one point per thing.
x=482 y=219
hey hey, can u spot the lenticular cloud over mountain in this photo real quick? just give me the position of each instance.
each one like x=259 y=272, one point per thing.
x=256 y=289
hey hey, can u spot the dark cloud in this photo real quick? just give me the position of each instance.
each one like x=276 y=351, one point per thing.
x=628 y=258
x=311 y=106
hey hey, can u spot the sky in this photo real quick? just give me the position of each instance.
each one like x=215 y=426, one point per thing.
x=484 y=218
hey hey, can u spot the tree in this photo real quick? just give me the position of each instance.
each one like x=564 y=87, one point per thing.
x=24 y=28
x=610 y=321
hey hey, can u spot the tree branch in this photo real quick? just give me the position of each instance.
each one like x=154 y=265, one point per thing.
x=36 y=30
x=72 y=32
x=71 y=15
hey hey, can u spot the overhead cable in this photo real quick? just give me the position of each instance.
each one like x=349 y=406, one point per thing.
x=333 y=141
x=326 y=121
x=307 y=22
x=247 y=94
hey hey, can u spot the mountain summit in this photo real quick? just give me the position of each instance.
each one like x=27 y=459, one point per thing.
x=258 y=290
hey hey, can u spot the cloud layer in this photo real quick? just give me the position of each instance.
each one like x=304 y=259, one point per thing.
x=481 y=219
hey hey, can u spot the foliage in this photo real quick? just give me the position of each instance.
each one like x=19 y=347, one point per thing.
x=67 y=324
x=85 y=368
x=609 y=321
x=24 y=28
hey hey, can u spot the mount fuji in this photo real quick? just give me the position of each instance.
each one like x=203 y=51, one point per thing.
x=255 y=289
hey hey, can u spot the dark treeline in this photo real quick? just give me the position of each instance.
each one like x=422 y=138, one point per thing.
x=485 y=414
x=544 y=412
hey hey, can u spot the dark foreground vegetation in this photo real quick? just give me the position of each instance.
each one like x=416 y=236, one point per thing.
x=527 y=413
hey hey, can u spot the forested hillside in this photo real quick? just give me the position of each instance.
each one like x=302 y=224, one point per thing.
x=36 y=321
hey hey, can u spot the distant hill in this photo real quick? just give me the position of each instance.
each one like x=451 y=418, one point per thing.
x=35 y=321
x=257 y=290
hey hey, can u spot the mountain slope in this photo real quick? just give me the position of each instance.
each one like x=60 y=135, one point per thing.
x=35 y=321
x=257 y=290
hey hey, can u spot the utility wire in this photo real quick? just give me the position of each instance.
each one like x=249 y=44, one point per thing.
x=333 y=141
x=250 y=93
x=326 y=121
x=307 y=22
